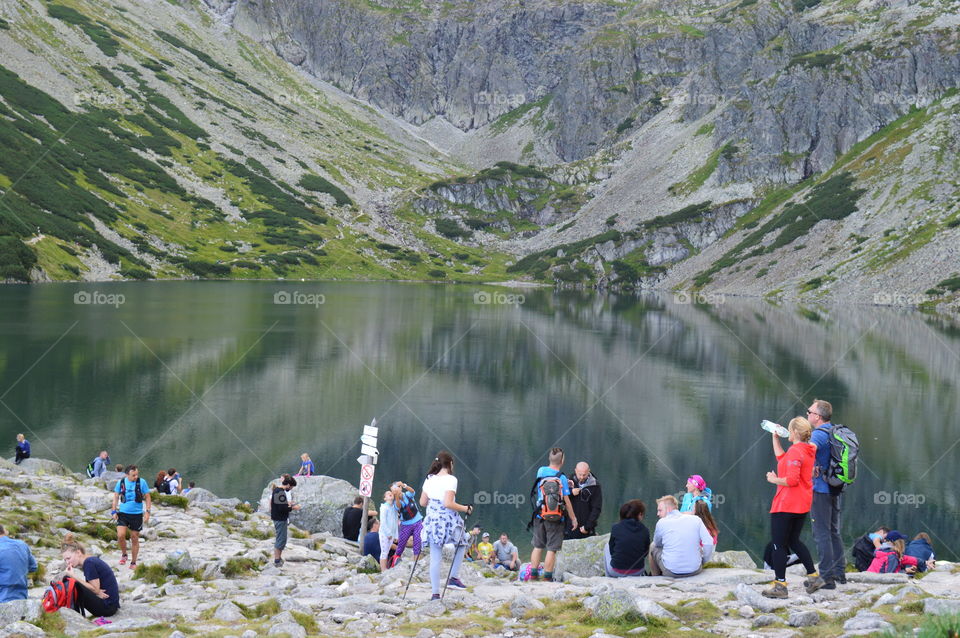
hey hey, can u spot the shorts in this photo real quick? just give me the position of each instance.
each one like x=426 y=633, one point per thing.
x=133 y=522
x=386 y=544
x=547 y=534
x=280 y=527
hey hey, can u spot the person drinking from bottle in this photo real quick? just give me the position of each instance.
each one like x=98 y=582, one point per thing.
x=443 y=523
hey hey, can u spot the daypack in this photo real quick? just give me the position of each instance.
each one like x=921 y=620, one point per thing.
x=844 y=449
x=408 y=509
x=90 y=467
x=551 y=499
x=59 y=594
x=137 y=491
x=163 y=487
x=862 y=552
x=885 y=562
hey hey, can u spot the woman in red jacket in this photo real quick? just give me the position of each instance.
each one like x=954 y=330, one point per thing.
x=791 y=504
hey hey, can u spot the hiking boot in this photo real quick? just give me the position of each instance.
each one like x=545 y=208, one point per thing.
x=829 y=583
x=278 y=562
x=435 y=597
x=778 y=590
x=813 y=584
x=841 y=579
x=123 y=559
x=456 y=583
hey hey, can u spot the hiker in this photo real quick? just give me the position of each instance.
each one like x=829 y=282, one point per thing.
x=472 y=552
x=864 y=547
x=505 y=554
x=118 y=468
x=587 y=500
x=97 y=588
x=921 y=548
x=889 y=558
x=551 y=498
x=791 y=504
x=411 y=520
x=443 y=523
x=681 y=544
x=389 y=527
x=352 y=517
x=22 y=450
x=98 y=465
x=825 y=512
x=306 y=466
x=702 y=510
x=792 y=559
x=281 y=504
x=191 y=485
x=697 y=491
x=160 y=483
x=485 y=549
x=173 y=481
x=16 y=562
x=133 y=496
x=373 y=543
x=626 y=552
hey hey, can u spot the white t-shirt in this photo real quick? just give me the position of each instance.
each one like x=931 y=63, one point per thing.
x=174 y=486
x=437 y=486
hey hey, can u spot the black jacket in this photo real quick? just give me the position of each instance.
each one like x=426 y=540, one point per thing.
x=587 y=504
x=629 y=544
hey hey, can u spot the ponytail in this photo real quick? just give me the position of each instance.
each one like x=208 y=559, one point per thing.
x=443 y=460
x=70 y=543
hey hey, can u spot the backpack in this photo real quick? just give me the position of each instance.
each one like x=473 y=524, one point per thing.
x=60 y=594
x=844 y=449
x=550 y=498
x=885 y=562
x=862 y=553
x=163 y=487
x=90 y=467
x=137 y=491
x=408 y=509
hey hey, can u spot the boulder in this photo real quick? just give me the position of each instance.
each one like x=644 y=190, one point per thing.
x=747 y=595
x=582 y=557
x=21 y=629
x=322 y=500
x=522 y=603
x=765 y=620
x=74 y=623
x=613 y=604
x=14 y=610
x=734 y=559
x=867 y=621
x=291 y=629
x=200 y=495
x=43 y=466
x=939 y=606
x=228 y=612
x=803 y=618
x=179 y=562
x=108 y=479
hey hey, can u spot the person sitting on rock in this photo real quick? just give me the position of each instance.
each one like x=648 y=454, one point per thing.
x=921 y=549
x=22 y=450
x=16 y=562
x=626 y=552
x=702 y=510
x=160 y=483
x=681 y=544
x=866 y=545
x=371 y=541
x=100 y=464
x=697 y=491
x=306 y=466
x=473 y=552
x=485 y=548
x=352 y=517
x=97 y=588
x=191 y=485
x=505 y=554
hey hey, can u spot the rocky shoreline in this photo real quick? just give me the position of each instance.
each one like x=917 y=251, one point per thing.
x=205 y=571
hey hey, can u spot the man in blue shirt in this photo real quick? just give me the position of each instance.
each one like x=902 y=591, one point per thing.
x=825 y=511
x=131 y=493
x=549 y=534
x=16 y=562
x=101 y=463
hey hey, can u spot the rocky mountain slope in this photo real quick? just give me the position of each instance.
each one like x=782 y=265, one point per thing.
x=788 y=149
x=205 y=570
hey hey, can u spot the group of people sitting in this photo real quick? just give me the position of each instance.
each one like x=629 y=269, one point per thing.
x=887 y=551
x=501 y=554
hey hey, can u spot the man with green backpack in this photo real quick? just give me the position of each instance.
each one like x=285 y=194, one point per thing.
x=835 y=468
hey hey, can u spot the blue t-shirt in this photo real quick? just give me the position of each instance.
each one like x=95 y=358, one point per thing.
x=24 y=447
x=96 y=569
x=821 y=438
x=689 y=500
x=371 y=544
x=405 y=499
x=306 y=468
x=548 y=472
x=129 y=504
x=16 y=562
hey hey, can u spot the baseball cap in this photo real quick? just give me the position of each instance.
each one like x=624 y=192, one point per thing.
x=894 y=535
x=486 y=535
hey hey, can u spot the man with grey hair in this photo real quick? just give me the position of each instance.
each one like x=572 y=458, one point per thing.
x=587 y=500
x=825 y=511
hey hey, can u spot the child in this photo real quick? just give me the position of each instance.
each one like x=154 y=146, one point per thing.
x=865 y=546
x=485 y=548
x=889 y=558
x=411 y=520
x=702 y=510
x=306 y=465
x=389 y=520
x=697 y=490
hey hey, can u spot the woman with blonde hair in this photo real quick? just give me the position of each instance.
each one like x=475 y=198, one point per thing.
x=22 y=450
x=791 y=504
x=97 y=589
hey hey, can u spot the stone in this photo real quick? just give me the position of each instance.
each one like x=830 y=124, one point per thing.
x=737 y=559
x=65 y=493
x=21 y=629
x=746 y=611
x=617 y=603
x=582 y=557
x=177 y=634
x=522 y=603
x=249 y=634
x=74 y=623
x=39 y=467
x=291 y=629
x=179 y=561
x=323 y=499
x=867 y=621
x=939 y=606
x=750 y=596
x=109 y=479
x=765 y=620
x=200 y=495
x=803 y=618
x=425 y=633
x=228 y=612
x=15 y=610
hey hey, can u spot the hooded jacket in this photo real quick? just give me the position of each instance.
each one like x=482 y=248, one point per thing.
x=588 y=503
x=795 y=465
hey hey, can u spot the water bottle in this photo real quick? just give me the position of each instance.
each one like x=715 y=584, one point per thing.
x=777 y=429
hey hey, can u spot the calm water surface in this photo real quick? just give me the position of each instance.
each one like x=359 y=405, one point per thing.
x=229 y=387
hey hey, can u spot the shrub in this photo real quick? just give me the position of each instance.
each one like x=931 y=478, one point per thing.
x=318 y=184
x=450 y=228
x=437 y=273
x=171 y=500
x=239 y=567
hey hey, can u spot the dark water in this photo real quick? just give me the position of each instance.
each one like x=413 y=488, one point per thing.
x=229 y=387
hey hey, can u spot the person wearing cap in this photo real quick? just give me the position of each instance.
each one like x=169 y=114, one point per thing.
x=485 y=548
x=697 y=490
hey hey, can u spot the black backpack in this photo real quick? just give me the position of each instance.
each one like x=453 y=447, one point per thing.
x=862 y=552
x=90 y=467
x=408 y=510
x=137 y=491
x=844 y=449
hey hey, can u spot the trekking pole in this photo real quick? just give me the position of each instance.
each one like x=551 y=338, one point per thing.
x=456 y=548
x=416 y=560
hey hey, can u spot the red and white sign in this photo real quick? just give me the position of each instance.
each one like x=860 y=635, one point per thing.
x=366 y=488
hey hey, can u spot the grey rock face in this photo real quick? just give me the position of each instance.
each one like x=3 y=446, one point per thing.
x=939 y=606
x=200 y=495
x=322 y=500
x=34 y=465
x=15 y=610
x=583 y=556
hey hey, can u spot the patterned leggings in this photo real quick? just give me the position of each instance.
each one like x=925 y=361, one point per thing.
x=405 y=532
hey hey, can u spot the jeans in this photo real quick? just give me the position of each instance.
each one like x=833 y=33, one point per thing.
x=825 y=514
x=436 y=556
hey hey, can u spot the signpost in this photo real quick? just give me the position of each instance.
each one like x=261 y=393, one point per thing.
x=368 y=460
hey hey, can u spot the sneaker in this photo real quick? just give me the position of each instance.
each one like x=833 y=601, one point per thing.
x=435 y=597
x=778 y=590
x=813 y=584
x=101 y=621
x=829 y=583
x=394 y=561
x=456 y=583
x=133 y=564
x=123 y=559
x=278 y=562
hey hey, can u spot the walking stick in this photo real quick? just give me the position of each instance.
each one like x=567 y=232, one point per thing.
x=416 y=560
x=459 y=544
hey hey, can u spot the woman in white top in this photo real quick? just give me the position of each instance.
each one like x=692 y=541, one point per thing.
x=443 y=524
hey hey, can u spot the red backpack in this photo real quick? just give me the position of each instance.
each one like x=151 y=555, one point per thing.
x=60 y=594
x=885 y=562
